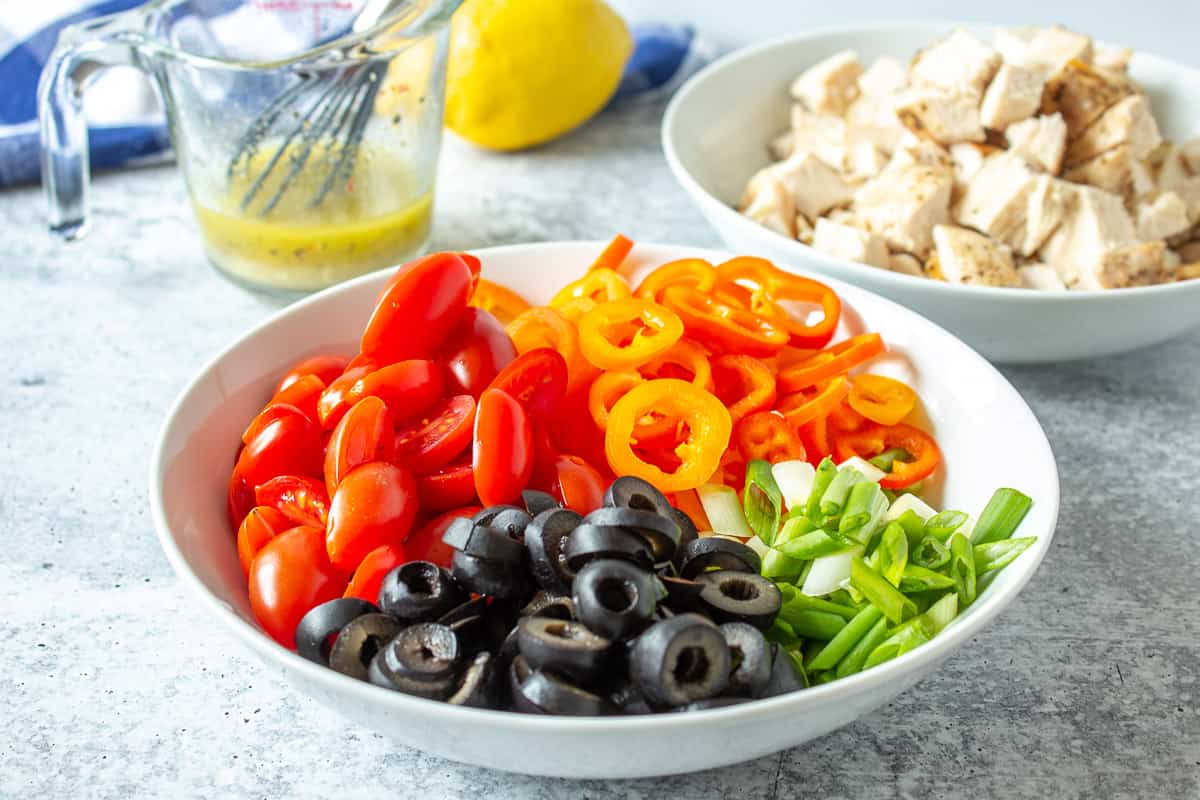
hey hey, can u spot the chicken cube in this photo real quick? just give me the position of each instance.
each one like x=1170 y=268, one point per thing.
x=941 y=115
x=903 y=203
x=1129 y=121
x=871 y=117
x=921 y=152
x=823 y=135
x=1094 y=247
x=966 y=256
x=804 y=229
x=966 y=160
x=1040 y=141
x=830 y=85
x=1040 y=276
x=906 y=264
x=996 y=200
x=1112 y=58
x=1141 y=181
x=1013 y=95
x=1189 y=253
x=850 y=243
x=1050 y=201
x=1081 y=93
x=1164 y=217
x=1190 y=152
x=864 y=160
x=1136 y=264
x=814 y=185
x=884 y=77
x=781 y=146
x=958 y=62
x=1188 y=190
x=1111 y=171
x=1170 y=167
x=1043 y=49
x=769 y=203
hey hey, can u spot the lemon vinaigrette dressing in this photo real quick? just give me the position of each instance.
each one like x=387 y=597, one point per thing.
x=378 y=216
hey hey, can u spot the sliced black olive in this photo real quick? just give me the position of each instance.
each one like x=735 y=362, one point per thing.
x=554 y=694
x=589 y=542
x=493 y=578
x=317 y=628
x=554 y=606
x=660 y=532
x=536 y=502
x=740 y=597
x=486 y=516
x=631 y=492
x=784 y=675
x=682 y=594
x=458 y=533
x=565 y=647
x=720 y=552
x=615 y=598
x=513 y=522
x=494 y=544
x=509 y=649
x=471 y=608
x=419 y=591
x=713 y=702
x=478 y=686
x=544 y=539
x=627 y=698
x=662 y=612
x=751 y=659
x=518 y=672
x=687 y=533
x=473 y=635
x=680 y=660
x=425 y=652
x=359 y=642
x=379 y=674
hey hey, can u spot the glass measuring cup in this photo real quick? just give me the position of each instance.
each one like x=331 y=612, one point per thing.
x=307 y=131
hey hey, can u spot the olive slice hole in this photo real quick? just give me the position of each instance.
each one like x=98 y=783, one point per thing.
x=691 y=665
x=739 y=590
x=616 y=595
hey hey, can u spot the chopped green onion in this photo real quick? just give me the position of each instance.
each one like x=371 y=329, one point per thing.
x=782 y=634
x=887 y=459
x=724 y=510
x=931 y=554
x=891 y=557
x=894 y=605
x=795 y=479
x=828 y=573
x=913 y=525
x=902 y=640
x=862 y=508
x=1001 y=516
x=810 y=624
x=995 y=555
x=812 y=545
x=778 y=567
x=846 y=638
x=835 y=496
x=843 y=598
x=944 y=523
x=920 y=579
x=797 y=662
x=802 y=602
x=826 y=471
x=762 y=501
x=865 y=468
x=962 y=569
x=854 y=660
x=941 y=613
x=794 y=528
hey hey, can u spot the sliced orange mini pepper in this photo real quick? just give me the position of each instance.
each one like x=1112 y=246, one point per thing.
x=704 y=416
x=545 y=327
x=685 y=360
x=502 y=303
x=614 y=254
x=924 y=454
x=766 y=435
x=807 y=405
x=606 y=390
x=600 y=285
x=814 y=435
x=623 y=334
x=723 y=327
x=831 y=362
x=576 y=307
x=770 y=285
x=881 y=399
x=689 y=503
x=744 y=384
x=694 y=272
x=844 y=418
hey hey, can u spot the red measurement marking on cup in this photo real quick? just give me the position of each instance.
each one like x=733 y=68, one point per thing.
x=317 y=9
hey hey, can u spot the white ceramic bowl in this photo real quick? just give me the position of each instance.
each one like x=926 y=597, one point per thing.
x=715 y=133
x=989 y=436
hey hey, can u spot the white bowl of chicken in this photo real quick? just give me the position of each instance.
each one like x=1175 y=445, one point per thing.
x=1033 y=191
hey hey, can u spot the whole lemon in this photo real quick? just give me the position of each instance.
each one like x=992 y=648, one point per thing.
x=522 y=72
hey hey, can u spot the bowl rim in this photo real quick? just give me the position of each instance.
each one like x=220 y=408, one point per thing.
x=670 y=131
x=332 y=682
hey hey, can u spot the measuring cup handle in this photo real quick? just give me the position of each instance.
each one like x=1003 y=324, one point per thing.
x=82 y=51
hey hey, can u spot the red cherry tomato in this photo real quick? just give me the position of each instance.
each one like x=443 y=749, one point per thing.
x=476 y=352
x=303 y=393
x=373 y=506
x=369 y=575
x=408 y=387
x=302 y=500
x=537 y=380
x=418 y=308
x=437 y=438
x=425 y=543
x=336 y=399
x=365 y=434
x=289 y=576
x=579 y=486
x=326 y=368
x=259 y=527
x=452 y=485
x=289 y=443
x=503 y=454
x=239 y=499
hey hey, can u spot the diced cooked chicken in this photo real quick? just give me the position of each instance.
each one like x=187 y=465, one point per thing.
x=1164 y=217
x=1014 y=94
x=1171 y=260
x=960 y=62
x=1039 y=276
x=830 y=85
x=903 y=203
x=815 y=186
x=769 y=203
x=1114 y=58
x=1128 y=122
x=906 y=264
x=1188 y=190
x=848 y=242
x=871 y=117
x=1186 y=272
x=823 y=135
x=781 y=146
x=1081 y=93
x=1043 y=49
x=1050 y=201
x=1190 y=151
x=804 y=229
x=1141 y=181
x=885 y=76
x=965 y=256
x=864 y=159
x=1111 y=171
x=1189 y=253
x=942 y=115
x=967 y=159
x=1040 y=141
x=1170 y=167
x=921 y=152
x=996 y=200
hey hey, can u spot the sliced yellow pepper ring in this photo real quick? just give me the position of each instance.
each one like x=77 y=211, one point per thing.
x=600 y=285
x=502 y=303
x=625 y=334
x=606 y=390
x=576 y=307
x=879 y=399
x=694 y=272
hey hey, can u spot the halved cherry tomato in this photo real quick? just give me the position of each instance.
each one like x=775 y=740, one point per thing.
x=473 y=264
x=288 y=577
x=572 y=429
x=723 y=327
x=622 y=334
x=578 y=485
x=303 y=393
x=613 y=254
x=451 y=486
x=874 y=439
x=336 y=399
x=436 y=439
x=743 y=383
x=537 y=379
x=408 y=388
x=271 y=412
x=773 y=286
x=831 y=362
x=305 y=501
x=476 y=353
x=259 y=527
x=503 y=454
x=325 y=367
x=425 y=543
x=239 y=499
x=365 y=434
x=809 y=404
x=544 y=327
x=373 y=506
x=369 y=575
x=695 y=273
x=601 y=285
x=419 y=308
x=289 y=443
x=766 y=435
x=499 y=301
x=881 y=399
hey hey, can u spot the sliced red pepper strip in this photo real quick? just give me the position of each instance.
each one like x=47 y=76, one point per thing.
x=874 y=439
x=771 y=285
x=744 y=384
x=614 y=254
x=814 y=435
x=766 y=435
x=723 y=327
x=831 y=362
